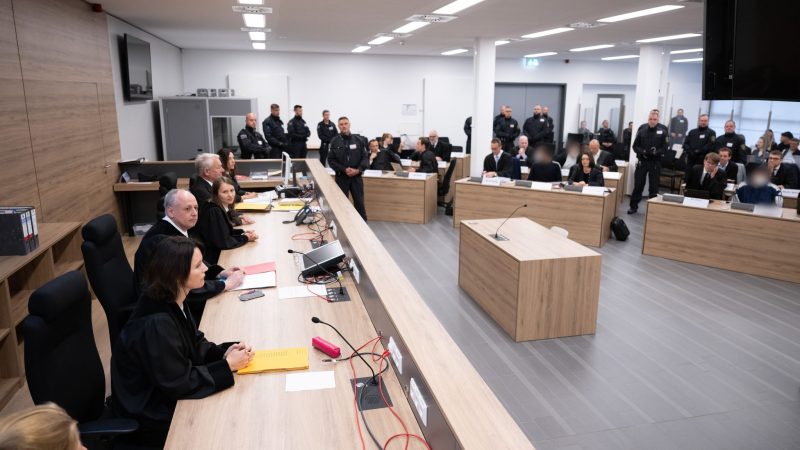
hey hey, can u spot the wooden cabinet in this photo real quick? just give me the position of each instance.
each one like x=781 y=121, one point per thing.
x=59 y=252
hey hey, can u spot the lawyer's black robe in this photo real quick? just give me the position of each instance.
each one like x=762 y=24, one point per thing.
x=216 y=232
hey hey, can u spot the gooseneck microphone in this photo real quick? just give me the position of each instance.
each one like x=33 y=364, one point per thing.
x=499 y=237
x=373 y=380
x=341 y=288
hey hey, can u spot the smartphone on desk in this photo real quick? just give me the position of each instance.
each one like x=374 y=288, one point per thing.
x=249 y=295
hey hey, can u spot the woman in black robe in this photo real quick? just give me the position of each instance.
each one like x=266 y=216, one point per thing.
x=215 y=223
x=161 y=357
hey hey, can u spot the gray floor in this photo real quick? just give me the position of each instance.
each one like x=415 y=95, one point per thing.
x=685 y=356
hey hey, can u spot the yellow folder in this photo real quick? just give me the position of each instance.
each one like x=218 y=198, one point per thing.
x=277 y=360
x=251 y=207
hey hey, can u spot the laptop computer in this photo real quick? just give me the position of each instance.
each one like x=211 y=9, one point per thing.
x=397 y=167
x=697 y=193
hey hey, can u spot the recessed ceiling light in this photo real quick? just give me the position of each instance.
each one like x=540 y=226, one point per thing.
x=266 y=30
x=669 y=38
x=455 y=52
x=546 y=33
x=410 y=26
x=251 y=2
x=501 y=42
x=614 y=58
x=361 y=49
x=258 y=36
x=687 y=60
x=538 y=55
x=644 y=12
x=254 y=20
x=690 y=50
x=260 y=45
x=456 y=6
x=592 y=47
x=380 y=40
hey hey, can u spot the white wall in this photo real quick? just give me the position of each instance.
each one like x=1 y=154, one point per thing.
x=139 y=131
x=685 y=90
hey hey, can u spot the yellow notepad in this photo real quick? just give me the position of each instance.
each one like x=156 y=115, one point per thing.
x=288 y=207
x=277 y=360
x=251 y=207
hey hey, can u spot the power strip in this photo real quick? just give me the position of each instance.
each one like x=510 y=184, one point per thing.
x=334 y=296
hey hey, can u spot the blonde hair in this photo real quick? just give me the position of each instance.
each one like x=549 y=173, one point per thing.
x=43 y=427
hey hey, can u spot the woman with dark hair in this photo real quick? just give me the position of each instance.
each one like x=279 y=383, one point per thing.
x=161 y=357
x=585 y=173
x=215 y=222
x=228 y=160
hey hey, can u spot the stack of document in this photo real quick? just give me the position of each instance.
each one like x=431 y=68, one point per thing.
x=259 y=276
x=277 y=360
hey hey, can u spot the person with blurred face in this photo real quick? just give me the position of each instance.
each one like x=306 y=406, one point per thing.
x=758 y=189
x=652 y=140
x=542 y=167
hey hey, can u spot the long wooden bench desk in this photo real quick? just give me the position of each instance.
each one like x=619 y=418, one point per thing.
x=723 y=238
x=614 y=180
x=586 y=217
x=258 y=413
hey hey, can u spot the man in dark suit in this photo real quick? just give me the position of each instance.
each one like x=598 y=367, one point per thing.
x=180 y=217
x=497 y=163
x=209 y=168
x=382 y=158
x=425 y=156
x=708 y=177
x=782 y=175
x=729 y=167
x=440 y=148
x=603 y=160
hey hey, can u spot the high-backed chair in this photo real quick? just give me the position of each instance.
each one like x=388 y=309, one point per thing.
x=62 y=364
x=444 y=188
x=166 y=183
x=109 y=272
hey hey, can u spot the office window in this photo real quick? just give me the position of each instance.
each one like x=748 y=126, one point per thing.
x=753 y=120
x=753 y=117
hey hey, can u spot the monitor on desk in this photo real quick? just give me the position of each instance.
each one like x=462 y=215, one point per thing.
x=322 y=259
x=286 y=170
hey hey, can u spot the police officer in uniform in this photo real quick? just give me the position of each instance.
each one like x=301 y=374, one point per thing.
x=273 y=131
x=251 y=142
x=326 y=131
x=699 y=142
x=733 y=141
x=535 y=127
x=298 y=134
x=506 y=129
x=677 y=128
x=349 y=159
x=652 y=140
x=606 y=137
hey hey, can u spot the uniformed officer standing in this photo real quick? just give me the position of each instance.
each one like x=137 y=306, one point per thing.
x=506 y=129
x=733 y=141
x=535 y=127
x=606 y=137
x=326 y=131
x=677 y=128
x=273 y=131
x=298 y=134
x=349 y=159
x=699 y=142
x=251 y=142
x=652 y=140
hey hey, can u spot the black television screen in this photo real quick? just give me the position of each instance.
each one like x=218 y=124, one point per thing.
x=137 y=78
x=748 y=53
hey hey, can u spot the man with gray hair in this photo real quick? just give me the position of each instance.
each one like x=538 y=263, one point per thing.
x=441 y=149
x=209 y=168
x=180 y=217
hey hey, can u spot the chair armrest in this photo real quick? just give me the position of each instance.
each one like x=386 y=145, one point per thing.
x=107 y=428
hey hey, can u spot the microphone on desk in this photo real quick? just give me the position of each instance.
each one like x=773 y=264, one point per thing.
x=373 y=381
x=499 y=237
x=341 y=288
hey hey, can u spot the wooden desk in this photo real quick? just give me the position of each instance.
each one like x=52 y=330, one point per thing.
x=257 y=413
x=461 y=171
x=757 y=245
x=536 y=285
x=586 y=217
x=397 y=199
x=610 y=179
x=59 y=252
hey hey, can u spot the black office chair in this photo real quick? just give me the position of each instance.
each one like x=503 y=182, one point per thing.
x=109 y=272
x=668 y=169
x=516 y=169
x=444 y=188
x=166 y=183
x=61 y=360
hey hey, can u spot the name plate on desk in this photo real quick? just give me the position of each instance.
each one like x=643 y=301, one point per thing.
x=768 y=211
x=405 y=162
x=594 y=190
x=442 y=164
x=564 y=172
x=790 y=193
x=541 y=186
x=418 y=176
x=573 y=188
x=373 y=173
x=494 y=181
x=695 y=202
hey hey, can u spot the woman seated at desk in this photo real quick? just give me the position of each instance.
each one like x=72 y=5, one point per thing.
x=215 y=222
x=161 y=357
x=228 y=160
x=586 y=174
x=542 y=168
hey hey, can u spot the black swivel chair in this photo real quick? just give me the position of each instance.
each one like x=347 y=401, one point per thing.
x=109 y=272
x=61 y=360
x=444 y=189
x=166 y=183
x=669 y=169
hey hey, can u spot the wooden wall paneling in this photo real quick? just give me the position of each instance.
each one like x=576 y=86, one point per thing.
x=107 y=201
x=9 y=56
x=61 y=40
x=67 y=147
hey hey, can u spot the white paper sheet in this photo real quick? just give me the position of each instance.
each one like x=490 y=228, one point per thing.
x=373 y=173
x=257 y=281
x=310 y=381
x=594 y=190
x=541 y=186
x=301 y=291
x=695 y=202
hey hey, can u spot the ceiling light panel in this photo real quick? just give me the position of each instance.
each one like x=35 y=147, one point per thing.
x=616 y=58
x=252 y=9
x=254 y=20
x=361 y=49
x=501 y=42
x=642 y=13
x=689 y=50
x=669 y=38
x=546 y=33
x=457 y=6
x=251 y=2
x=380 y=40
x=411 y=26
x=539 y=55
x=455 y=52
x=260 y=45
x=687 y=60
x=591 y=47
x=258 y=36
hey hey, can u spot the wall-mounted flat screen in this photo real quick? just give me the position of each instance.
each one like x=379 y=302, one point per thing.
x=137 y=76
